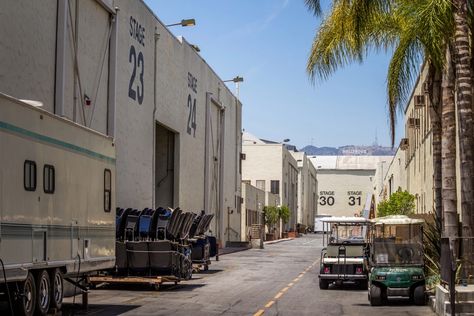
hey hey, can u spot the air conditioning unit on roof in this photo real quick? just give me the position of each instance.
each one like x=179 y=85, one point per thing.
x=413 y=122
x=425 y=87
x=420 y=101
x=404 y=144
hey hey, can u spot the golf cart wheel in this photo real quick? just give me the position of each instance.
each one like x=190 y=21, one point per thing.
x=323 y=284
x=375 y=295
x=419 y=297
x=26 y=302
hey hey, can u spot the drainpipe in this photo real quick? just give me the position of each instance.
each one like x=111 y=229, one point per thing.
x=221 y=168
x=61 y=33
x=206 y=153
x=155 y=101
x=112 y=98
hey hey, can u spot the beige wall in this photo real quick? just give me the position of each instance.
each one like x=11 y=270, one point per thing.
x=252 y=208
x=419 y=155
x=267 y=162
x=307 y=189
x=343 y=192
x=412 y=167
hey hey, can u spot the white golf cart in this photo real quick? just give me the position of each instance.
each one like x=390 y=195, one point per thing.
x=344 y=257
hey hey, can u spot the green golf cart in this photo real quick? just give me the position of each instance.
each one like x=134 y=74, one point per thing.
x=396 y=259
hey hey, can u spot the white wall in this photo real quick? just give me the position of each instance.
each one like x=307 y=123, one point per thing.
x=343 y=192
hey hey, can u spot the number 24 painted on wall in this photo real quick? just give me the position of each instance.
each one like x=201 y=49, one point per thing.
x=191 y=128
x=136 y=94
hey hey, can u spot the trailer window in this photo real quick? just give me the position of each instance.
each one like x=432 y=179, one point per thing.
x=107 y=190
x=29 y=175
x=49 y=181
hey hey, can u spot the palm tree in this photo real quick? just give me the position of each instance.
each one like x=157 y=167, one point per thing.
x=415 y=29
x=462 y=55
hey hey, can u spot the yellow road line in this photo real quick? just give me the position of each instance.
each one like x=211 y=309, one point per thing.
x=269 y=304
x=259 y=313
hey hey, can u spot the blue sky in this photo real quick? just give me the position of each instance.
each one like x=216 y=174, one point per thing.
x=268 y=43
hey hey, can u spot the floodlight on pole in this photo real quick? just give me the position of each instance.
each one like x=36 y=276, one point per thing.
x=184 y=23
x=236 y=79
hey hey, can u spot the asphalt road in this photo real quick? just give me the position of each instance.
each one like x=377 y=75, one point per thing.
x=281 y=279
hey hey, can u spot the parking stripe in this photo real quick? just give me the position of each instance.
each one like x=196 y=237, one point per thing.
x=278 y=295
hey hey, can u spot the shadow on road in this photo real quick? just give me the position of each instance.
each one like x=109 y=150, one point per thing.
x=208 y=272
x=95 y=309
x=150 y=288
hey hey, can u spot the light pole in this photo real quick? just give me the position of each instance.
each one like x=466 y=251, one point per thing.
x=184 y=23
x=236 y=80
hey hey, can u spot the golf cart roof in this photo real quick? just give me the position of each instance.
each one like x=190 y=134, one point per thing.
x=396 y=220
x=344 y=219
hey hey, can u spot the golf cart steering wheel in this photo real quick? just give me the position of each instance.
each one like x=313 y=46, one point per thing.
x=405 y=254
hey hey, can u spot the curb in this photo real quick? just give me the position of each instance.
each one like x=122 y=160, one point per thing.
x=277 y=241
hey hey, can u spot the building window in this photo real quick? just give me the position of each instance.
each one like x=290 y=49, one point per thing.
x=29 y=175
x=49 y=182
x=275 y=186
x=107 y=190
x=261 y=184
x=246 y=182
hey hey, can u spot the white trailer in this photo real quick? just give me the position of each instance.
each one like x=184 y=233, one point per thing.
x=57 y=204
x=319 y=226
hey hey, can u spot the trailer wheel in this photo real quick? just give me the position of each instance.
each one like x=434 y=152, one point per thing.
x=43 y=293
x=25 y=304
x=57 y=289
x=375 y=295
x=419 y=295
x=323 y=284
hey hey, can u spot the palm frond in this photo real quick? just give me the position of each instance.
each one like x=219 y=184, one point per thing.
x=404 y=67
x=314 y=6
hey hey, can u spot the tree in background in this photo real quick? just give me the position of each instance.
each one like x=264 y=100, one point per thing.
x=399 y=203
x=284 y=213
x=272 y=215
x=276 y=214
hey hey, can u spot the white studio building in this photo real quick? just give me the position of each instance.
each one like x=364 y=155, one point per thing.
x=307 y=189
x=113 y=66
x=345 y=182
x=271 y=167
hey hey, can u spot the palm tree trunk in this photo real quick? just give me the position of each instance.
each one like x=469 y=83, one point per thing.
x=465 y=121
x=448 y=151
x=434 y=81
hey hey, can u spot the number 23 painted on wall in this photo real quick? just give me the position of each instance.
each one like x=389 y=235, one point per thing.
x=135 y=92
